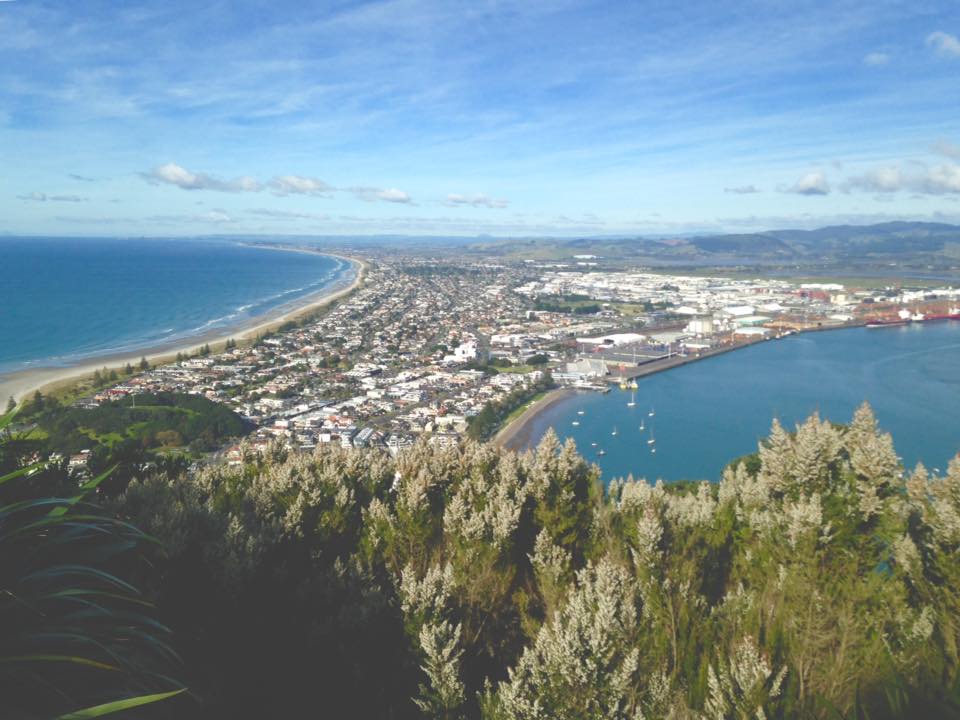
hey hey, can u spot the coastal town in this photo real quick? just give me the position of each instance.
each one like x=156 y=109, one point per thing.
x=423 y=347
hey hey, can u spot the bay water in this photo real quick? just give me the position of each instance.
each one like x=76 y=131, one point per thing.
x=63 y=300
x=709 y=412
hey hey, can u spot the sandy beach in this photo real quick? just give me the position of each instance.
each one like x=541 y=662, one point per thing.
x=20 y=385
x=516 y=435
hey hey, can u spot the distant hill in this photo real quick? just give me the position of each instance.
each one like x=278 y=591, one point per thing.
x=933 y=244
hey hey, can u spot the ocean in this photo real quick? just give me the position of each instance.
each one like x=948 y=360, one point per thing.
x=67 y=300
x=707 y=413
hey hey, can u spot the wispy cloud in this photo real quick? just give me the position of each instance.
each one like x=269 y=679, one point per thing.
x=215 y=217
x=173 y=174
x=876 y=59
x=280 y=185
x=337 y=102
x=372 y=194
x=286 y=214
x=813 y=183
x=43 y=197
x=80 y=178
x=475 y=200
x=945 y=44
x=947 y=148
x=299 y=185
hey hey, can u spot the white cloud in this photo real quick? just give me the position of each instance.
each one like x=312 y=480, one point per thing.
x=742 y=190
x=813 y=183
x=280 y=185
x=882 y=180
x=945 y=44
x=876 y=59
x=173 y=174
x=299 y=185
x=372 y=194
x=43 y=197
x=941 y=179
x=475 y=200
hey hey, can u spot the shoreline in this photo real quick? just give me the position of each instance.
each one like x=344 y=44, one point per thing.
x=516 y=435
x=22 y=383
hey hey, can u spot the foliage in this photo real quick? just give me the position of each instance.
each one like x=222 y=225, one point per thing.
x=576 y=304
x=485 y=424
x=124 y=432
x=76 y=637
x=817 y=579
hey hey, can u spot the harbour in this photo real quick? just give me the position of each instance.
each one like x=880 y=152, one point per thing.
x=701 y=415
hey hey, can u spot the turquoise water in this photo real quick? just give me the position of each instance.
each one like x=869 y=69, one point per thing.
x=67 y=299
x=709 y=412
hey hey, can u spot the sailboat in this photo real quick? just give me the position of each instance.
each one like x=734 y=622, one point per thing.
x=579 y=412
x=632 y=402
x=575 y=423
x=651 y=413
x=642 y=427
x=651 y=440
x=601 y=452
x=614 y=430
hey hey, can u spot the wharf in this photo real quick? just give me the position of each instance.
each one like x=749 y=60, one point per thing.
x=667 y=362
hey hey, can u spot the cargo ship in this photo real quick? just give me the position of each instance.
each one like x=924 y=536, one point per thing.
x=904 y=317
x=951 y=314
x=888 y=323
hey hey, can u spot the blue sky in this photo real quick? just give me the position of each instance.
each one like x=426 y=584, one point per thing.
x=501 y=118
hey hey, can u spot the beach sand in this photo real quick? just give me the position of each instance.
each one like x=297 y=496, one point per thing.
x=20 y=385
x=516 y=435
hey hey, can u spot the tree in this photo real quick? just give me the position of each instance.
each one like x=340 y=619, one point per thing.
x=768 y=594
x=128 y=369
x=11 y=404
x=144 y=365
